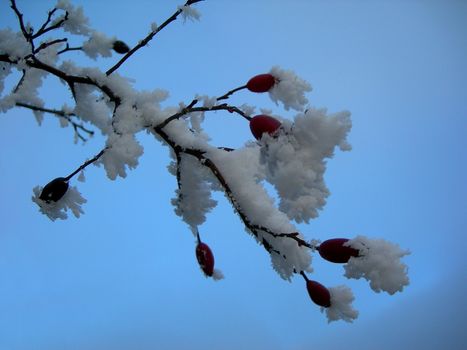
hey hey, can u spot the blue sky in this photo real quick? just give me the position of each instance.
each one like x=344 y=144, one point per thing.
x=124 y=276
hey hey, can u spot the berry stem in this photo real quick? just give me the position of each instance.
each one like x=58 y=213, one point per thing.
x=227 y=94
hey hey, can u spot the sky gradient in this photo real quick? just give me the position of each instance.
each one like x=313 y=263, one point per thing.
x=124 y=276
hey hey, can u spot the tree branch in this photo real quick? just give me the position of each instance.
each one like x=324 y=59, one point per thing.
x=57 y=25
x=61 y=114
x=50 y=43
x=26 y=35
x=207 y=162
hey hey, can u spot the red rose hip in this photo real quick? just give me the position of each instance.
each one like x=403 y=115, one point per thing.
x=335 y=251
x=318 y=293
x=261 y=83
x=261 y=124
x=205 y=258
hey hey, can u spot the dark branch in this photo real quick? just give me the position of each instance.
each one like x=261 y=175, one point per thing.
x=26 y=34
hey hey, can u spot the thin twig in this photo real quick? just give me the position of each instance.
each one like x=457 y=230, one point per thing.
x=227 y=94
x=57 y=25
x=186 y=110
x=85 y=164
x=49 y=18
x=149 y=37
x=20 y=82
x=50 y=43
x=26 y=35
x=62 y=114
x=68 y=48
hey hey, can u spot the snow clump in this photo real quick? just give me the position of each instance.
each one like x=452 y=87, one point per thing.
x=379 y=263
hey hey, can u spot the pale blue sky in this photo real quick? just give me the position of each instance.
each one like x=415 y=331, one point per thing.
x=124 y=276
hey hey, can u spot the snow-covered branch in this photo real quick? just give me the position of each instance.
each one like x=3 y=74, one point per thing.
x=291 y=154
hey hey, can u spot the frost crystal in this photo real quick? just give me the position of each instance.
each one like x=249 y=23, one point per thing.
x=77 y=22
x=243 y=173
x=13 y=44
x=57 y=210
x=122 y=151
x=189 y=12
x=295 y=161
x=290 y=89
x=81 y=177
x=193 y=199
x=217 y=275
x=379 y=263
x=98 y=44
x=341 y=305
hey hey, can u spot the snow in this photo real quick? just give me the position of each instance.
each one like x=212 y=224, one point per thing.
x=295 y=161
x=189 y=13
x=71 y=200
x=13 y=44
x=98 y=45
x=290 y=89
x=77 y=22
x=341 y=305
x=379 y=263
x=242 y=171
x=122 y=152
x=193 y=200
x=217 y=275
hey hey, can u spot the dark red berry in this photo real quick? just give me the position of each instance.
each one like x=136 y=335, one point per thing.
x=335 y=251
x=205 y=258
x=120 y=47
x=54 y=190
x=319 y=294
x=261 y=124
x=261 y=83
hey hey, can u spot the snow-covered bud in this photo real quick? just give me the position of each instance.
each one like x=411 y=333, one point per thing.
x=335 y=250
x=261 y=124
x=319 y=294
x=261 y=83
x=205 y=258
x=54 y=190
x=120 y=47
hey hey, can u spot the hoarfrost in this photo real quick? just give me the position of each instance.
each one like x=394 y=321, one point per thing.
x=290 y=89
x=243 y=173
x=98 y=45
x=193 y=200
x=341 y=305
x=71 y=200
x=217 y=275
x=189 y=13
x=76 y=22
x=13 y=44
x=295 y=161
x=379 y=263
x=122 y=151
